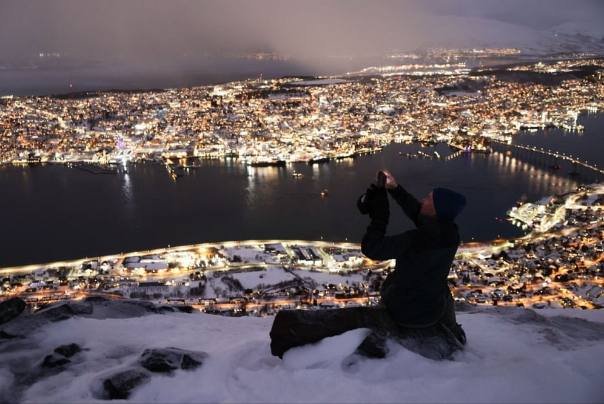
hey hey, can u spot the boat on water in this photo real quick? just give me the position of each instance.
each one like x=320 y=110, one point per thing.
x=296 y=174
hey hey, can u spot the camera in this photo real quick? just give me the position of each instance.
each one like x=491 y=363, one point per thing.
x=361 y=203
x=381 y=181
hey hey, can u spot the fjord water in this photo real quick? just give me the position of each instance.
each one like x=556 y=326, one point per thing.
x=53 y=212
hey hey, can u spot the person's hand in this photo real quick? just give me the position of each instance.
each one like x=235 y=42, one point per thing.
x=390 y=181
x=376 y=199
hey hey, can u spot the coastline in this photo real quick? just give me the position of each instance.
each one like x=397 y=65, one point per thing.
x=494 y=273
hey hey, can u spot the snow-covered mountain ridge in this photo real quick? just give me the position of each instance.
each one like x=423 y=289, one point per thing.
x=464 y=32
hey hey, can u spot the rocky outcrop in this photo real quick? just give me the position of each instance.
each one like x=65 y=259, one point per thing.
x=64 y=311
x=119 y=385
x=95 y=306
x=169 y=359
x=54 y=361
x=10 y=309
x=24 y=324
x=60 y=355
x=117 y=382
x=68 y=350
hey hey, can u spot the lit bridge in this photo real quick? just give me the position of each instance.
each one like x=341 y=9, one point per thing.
x=524 y=151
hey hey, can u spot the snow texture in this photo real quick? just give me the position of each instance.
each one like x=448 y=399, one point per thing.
x=513 y=355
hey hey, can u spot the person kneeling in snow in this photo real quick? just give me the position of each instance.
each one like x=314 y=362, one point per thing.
x=416 y=293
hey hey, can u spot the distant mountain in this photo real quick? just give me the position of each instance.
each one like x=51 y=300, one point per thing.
x=464 y=32
x=586 y=37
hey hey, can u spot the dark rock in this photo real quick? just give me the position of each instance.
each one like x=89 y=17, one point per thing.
x=169 y=359
x=292 y=328
x=190 y=362
x=160 y=360
x=185 y=309
x=163 y=309
x=57 y=313
x=27 y=323
x=119 y=385
x=68 y=350
x=97 y=306
x=11 y=308
x=60 y=355
x=96 y=299
x=81 y=309
x=53 y=361
x=147 y=306
x=7 y=335
x=63 y=311
x=171 y=309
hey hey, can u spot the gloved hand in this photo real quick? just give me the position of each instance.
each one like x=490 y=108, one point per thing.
x=379 y=207
x=375 y=203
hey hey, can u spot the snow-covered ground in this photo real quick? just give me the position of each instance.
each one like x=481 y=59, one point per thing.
x=513 y=355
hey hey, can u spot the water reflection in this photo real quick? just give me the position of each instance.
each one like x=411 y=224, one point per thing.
x=538 y=179
x=224 y=199
x=127 y=195
x=262 y=184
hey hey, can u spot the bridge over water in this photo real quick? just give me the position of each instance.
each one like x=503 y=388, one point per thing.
x=549 y=158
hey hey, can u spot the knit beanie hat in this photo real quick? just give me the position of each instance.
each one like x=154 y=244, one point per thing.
x=448 y=203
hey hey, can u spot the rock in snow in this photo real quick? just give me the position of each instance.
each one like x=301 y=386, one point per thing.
x=512 y=355
x=168 y=359
x=10 y=309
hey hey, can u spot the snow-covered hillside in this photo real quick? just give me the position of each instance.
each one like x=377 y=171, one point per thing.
x=513 y=355
x=464 y=32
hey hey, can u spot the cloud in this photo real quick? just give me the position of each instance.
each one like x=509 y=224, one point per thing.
x=160 y=30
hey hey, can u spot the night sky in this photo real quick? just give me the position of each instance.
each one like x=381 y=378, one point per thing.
x=172 y=31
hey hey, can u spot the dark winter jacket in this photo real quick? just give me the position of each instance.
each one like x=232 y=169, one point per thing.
x=415 y=291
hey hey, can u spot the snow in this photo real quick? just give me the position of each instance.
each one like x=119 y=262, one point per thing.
x=326 y=353
x=271 y=275
x=513 y=355
x=477 y=32
x=483 y=32
x=587 y=28
x=324 y=277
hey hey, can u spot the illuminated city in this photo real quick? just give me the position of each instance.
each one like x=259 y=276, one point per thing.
x=318 y=201
x=271 y=122
x=289 y=120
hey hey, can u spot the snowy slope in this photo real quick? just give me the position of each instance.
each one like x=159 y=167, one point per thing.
x=514 y=355
x=480 y=33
